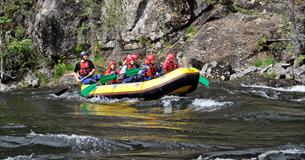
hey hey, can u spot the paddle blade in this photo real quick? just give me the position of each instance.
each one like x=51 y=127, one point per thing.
x=132 y=72
x=85 y=92
x=62 y=91
x=107 y=78
x=204 y=81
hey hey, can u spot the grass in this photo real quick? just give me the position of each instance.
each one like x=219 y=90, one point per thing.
x=191 y=31
x=264 y=62
x=271 y=75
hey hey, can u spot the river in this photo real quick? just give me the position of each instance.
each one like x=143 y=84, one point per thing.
x=225 y=121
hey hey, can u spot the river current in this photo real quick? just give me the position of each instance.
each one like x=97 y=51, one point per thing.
x=224 y=121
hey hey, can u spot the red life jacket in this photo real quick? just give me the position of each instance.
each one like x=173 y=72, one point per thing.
x=151 y=70
x=84 y=68
x=169 y=66
x=129 y=66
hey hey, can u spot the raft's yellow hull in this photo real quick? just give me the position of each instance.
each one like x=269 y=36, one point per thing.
x=178 y=82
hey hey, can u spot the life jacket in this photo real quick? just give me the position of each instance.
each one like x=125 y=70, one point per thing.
x=84 y=68
x=129 y=66
x=151 y=70
x=110 y=71
x=169 y=66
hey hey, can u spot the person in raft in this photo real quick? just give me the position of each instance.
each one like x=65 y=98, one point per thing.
x=130 y=64
x=111 y=69
x=170 y=63
x=150 y=69
x=84 y=70
x=135 y=57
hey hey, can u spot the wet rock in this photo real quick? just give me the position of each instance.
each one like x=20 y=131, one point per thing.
x=3 y=87
x=217 y=70
x=182 y=60
x=67 y=79
x=266 y=68
x=240 y=74
x=299 y=70
x=30 y=80
x=196 y=63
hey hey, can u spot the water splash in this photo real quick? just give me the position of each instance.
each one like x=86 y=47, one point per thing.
x=209 y=105
x=282 y=153
x=21 y=157
x=76 y=97
x=297 y=88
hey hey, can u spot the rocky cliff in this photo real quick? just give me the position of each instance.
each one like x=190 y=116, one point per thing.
x=236 y=33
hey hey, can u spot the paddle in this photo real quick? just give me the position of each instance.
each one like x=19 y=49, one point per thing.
x=130 y=72
x=203 y=81
x=67 y=88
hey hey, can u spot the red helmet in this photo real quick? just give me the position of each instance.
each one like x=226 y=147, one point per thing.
x=135 y=56
x=129 y=58
x=111 y=63
x=171 y=56
x=150 y=57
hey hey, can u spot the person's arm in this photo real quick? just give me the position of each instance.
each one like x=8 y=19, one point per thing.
x=76 y=74
x=123 y=70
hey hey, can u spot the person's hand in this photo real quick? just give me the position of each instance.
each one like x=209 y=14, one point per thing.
x=78 y=80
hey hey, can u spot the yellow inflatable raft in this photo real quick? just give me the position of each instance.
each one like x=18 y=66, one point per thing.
x=178 y=82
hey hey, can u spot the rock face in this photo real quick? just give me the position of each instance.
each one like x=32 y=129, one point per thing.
x=58 y=25
x=231 y=39
x=232 y=32
x=54 y=26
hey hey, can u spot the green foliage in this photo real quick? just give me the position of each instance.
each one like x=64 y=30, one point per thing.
x=99 y=60
x=300 y=59
x=82 y=29
x=191 y=31
x=263 y=62
x=60 y=69
x=19 y=32
x=143 y=40
x=243 y=10
x=19 y=47
x=21 y=55
x=43 y=79
x=4 y=20
x=261 y=43
x=79 y=47
x=271 y=75
x=11 y=9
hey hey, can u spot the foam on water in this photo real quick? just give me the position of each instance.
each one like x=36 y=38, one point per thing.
x=288 y=151
x=297 y=88
x=208 y=105
x=265 y=95
x=75 y=96
x=77 y=142
x=21 y=157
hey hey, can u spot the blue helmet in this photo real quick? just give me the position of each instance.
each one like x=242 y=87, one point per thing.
x=83 y=53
